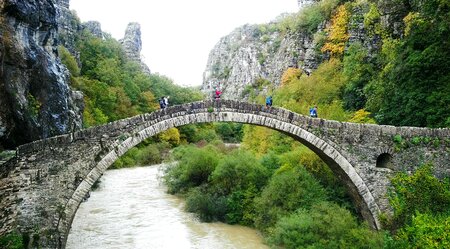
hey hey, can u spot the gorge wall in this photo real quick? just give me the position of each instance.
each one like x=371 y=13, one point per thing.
x=252 y=53
x=35 y=98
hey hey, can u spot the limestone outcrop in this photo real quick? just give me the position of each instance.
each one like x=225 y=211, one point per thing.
x=94 y=27
x=68 y=25
x=132 y=44
x=252 y=55
x=303 y=3
x=35 y=98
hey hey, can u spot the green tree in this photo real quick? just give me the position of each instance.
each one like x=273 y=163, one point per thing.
x=415 y=77
x=288 y=189
x=420 y=192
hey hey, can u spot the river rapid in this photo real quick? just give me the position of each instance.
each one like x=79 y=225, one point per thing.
x=131 y=209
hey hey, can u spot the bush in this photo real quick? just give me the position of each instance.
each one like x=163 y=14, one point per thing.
x=207 y=206
x=325 y=225
x=425 y=231
x=208 y=135
x=309 y=18
x=420 y=192
x=171 y=135
x=193 y=169
x=287 y=190
x=12 y=241
x=241 y=206
x=69 y=61
x=238 y=171
x=271 y=161
x=229 y=132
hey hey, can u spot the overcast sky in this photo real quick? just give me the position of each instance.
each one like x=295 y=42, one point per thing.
x=177 y=35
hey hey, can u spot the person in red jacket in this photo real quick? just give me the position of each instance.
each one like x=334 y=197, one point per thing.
x=217 y=94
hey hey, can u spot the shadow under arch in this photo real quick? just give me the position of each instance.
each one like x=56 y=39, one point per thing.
x=359 y=191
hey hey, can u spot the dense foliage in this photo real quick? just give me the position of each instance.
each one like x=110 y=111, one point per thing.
x=237 y=186
x=397 y=65
x=324 y=225
x=12 y=241
x=415 y=71
x=421 y=206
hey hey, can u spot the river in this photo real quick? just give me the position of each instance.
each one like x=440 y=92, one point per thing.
x=131 y=209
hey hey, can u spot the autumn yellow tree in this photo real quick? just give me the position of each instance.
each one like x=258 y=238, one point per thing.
x=290 y=74
x=337 y=32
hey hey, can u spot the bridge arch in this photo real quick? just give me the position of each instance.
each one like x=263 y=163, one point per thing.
x=170 y=118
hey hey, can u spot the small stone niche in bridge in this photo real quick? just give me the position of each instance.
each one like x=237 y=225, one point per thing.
x=385 y=161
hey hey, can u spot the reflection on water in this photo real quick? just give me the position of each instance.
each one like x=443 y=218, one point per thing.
x=131 y=209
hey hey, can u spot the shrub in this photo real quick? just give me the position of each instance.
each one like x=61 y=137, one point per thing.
x=271 y=161
x=419 y=192
x=193 y=169
x=425 y=231
x=207 y=206
x=289 y=75
x=12 y=241
x=238 y=171
x=69 y=61
x=241 y=206
x=206 y=134
x=229 y=132
x=338 y=35
x=287 y=190
x=309 y=18
x=325 y=225
x=362 y=116
x=171 y=136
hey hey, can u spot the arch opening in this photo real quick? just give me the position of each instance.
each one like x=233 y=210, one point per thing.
x=384 y=160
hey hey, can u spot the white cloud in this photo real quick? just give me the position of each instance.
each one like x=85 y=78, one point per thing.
x=177 y=35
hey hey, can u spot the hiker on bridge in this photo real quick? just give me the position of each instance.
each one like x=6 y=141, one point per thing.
x=217 y=94
x=313 y=111
x=269 y=102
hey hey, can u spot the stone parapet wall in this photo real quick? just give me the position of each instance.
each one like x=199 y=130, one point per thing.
x=239 y=107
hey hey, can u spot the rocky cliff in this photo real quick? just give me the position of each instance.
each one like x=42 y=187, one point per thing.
x=255 y=56
x=253 y=52
x=68 y=25
x=35 y=98
x=132 y=45
x=303 y=3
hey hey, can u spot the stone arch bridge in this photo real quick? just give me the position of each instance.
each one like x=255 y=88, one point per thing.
x=43 y=185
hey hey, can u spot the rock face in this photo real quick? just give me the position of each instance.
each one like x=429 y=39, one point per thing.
x=240 y=60
x=132 y=45
x=303 y=3
x=68 y=25
x=35 y=98
x=94 y=27
x=250 y=53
